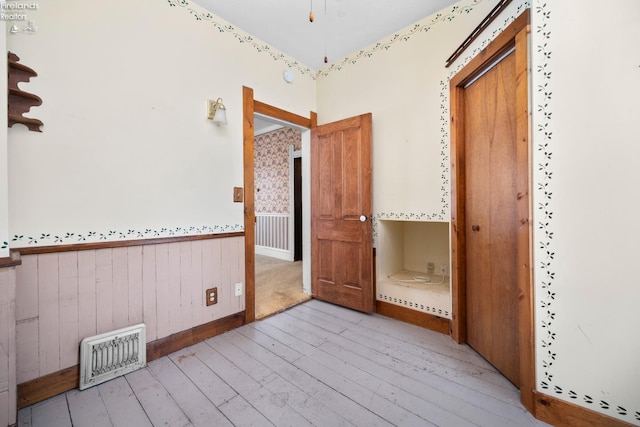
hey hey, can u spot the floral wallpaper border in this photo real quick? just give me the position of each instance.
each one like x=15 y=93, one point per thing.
x=399 y=37
x=202 y=15
x=437 y=311
x=112 y=235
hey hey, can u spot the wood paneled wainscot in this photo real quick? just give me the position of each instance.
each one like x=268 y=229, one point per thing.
x=7 y=343
x=65 y=296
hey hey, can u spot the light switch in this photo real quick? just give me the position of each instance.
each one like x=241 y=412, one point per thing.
x=238 y=194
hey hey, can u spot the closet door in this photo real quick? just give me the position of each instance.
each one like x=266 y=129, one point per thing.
x=491 y=217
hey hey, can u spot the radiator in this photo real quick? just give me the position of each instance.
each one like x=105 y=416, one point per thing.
x=272 y=231
x=112 y=354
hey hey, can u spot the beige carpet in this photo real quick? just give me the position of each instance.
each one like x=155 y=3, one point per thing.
x=278 y=285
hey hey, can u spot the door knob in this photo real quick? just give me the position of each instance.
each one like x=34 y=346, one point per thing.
x=475 y=227
x=363 y=218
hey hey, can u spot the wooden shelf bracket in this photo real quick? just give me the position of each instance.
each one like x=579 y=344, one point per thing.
x=19 y=101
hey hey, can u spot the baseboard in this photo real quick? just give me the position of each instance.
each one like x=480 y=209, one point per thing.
x=47 y=386
x=274 y=253
x=177 y=341
x=418 y=318
x=560 y=413
x=50 y=385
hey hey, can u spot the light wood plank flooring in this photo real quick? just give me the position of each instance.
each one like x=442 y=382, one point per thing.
x=315 y=364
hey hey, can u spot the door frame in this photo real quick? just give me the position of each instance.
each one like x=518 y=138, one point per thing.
x=514 y=36
x=251 y=106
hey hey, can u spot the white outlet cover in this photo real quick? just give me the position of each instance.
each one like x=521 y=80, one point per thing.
x=238 y=289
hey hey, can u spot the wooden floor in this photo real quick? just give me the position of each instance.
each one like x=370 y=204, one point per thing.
x=315 y=364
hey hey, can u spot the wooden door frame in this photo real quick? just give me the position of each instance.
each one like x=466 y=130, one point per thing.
x=514 y=36
x=251 y=106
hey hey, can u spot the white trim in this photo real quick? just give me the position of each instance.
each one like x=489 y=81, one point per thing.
x=282 y=123
x=292 y=215
x=267 y=129
x=274 y=253
x=306 y=212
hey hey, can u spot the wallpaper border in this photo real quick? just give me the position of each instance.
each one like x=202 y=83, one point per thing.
x=418 y=306
x=399 y=37
x=242 y=37
x=44 y=239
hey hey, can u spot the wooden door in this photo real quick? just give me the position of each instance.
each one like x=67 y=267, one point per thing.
x=491 y=217
x=341 y=228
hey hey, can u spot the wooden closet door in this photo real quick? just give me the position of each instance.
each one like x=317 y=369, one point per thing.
x=491 y=217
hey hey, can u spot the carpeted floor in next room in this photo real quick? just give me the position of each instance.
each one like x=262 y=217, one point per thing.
x=278 y=285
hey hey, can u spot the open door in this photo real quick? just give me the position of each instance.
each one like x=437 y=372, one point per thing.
x=341 y=206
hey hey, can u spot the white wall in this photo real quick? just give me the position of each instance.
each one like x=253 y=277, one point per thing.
x=586 y=92
x=126 y=149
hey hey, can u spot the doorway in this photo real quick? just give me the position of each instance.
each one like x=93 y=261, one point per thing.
x=490 y=127
x=278 y=274
x=251 y=108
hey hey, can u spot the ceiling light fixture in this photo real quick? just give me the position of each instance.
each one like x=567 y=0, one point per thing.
x=216 y=111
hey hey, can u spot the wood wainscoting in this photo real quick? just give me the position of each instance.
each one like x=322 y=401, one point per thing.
x=78 y=291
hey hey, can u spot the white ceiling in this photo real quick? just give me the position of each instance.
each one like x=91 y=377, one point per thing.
x=347 y=26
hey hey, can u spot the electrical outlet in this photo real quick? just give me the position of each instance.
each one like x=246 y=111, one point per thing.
x=431 y=268
x=238 y=289
x=211 y=296
x=443 y=269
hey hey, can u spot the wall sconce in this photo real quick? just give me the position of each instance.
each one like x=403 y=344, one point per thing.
x=216 y=111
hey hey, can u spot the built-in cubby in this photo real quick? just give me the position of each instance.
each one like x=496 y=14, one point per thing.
x=410 y=258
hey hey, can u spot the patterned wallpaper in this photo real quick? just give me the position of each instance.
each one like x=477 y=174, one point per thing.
x=272 y=169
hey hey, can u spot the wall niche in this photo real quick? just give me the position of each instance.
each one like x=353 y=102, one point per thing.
x=410 y=258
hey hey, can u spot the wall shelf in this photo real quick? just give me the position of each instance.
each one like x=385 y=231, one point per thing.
x=19 y=101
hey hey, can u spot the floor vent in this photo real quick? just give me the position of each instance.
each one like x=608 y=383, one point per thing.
x=112 y=354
